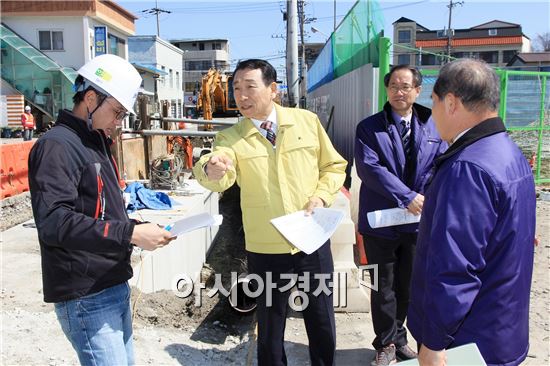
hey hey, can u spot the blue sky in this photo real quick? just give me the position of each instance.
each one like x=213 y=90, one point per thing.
x=253 y=26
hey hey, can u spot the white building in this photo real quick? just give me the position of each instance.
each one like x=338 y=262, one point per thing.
x=66 y=31
x=154 y=53
x=44 y=42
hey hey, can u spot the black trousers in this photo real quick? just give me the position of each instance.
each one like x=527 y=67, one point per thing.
x=390 y=303
x=318 y=314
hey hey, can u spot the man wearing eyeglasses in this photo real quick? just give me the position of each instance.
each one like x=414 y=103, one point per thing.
x=84 y=232
x=394 y=153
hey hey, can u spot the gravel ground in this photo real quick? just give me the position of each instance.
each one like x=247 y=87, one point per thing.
x=167 y=333
x=15 y=210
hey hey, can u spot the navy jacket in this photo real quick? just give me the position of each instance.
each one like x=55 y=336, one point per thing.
x=474 y=255
x=83 y=229
x=388 y=182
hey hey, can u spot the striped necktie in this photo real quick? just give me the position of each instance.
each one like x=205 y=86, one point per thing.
x=406 y=137
x=270 y=134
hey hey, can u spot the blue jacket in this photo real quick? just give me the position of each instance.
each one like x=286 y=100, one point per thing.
x=388 y=182
x=474 y=255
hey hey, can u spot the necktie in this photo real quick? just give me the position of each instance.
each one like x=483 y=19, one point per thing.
x=406 y=137
x=270 y=134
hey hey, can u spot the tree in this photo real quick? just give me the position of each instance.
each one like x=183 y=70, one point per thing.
x=542 y=42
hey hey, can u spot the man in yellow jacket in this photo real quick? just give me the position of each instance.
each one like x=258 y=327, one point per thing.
x=284 y=162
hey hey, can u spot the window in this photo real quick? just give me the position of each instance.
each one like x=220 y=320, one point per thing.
x=173 y=108
x=404 y=36
x=171 y=78
x=163 y=76
x=50 y=40
x=491 y=57
x=178 y=85
x=508 y=55
x=116 y=46
x=492 y=32
x=403 y=59
x=428 y=59
x=201 y=46
x=190 y=86
x=216 y=46
x=460 y=54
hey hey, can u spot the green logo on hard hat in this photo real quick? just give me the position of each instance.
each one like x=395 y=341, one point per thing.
x=103 y=74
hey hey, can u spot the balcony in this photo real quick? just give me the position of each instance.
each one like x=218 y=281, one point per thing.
x=220 y=55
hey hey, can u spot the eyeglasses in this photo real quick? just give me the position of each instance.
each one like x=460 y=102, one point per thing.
x=405 y=89
x=119 y=114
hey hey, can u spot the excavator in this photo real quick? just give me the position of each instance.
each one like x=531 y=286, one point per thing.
x=216 y=95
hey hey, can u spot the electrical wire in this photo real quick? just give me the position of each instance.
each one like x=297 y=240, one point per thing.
x=165 y=176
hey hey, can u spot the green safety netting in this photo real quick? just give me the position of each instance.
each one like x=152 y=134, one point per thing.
x=525 y=109
x=352 y=45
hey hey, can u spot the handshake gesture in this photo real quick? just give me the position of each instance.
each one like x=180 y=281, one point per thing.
x=217 y=166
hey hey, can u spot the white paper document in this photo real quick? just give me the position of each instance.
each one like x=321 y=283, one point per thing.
x=391 y=217
x=308 y=233
x=466 y=355
x=193 y=223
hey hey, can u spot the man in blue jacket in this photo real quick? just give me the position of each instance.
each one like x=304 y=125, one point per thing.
x=394 y=153
x=472 y=272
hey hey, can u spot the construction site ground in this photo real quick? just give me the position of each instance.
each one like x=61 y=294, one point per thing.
x=173 y=331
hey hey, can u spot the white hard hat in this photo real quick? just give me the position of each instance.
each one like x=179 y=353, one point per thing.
x=27 y=108
x=114 y=76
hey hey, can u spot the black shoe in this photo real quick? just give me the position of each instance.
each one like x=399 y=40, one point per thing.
x=405 y=353
x=384 y=356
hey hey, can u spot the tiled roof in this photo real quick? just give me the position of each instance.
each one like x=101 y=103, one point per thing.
x=442 y=42
x=534 y=57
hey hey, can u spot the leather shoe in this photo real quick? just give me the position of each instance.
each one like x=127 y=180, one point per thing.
x=384 y=356
x=405 y=353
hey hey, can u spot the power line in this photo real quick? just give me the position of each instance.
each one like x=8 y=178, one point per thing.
x=156 y=10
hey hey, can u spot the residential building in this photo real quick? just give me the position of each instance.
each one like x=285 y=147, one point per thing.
x=151 y=53
x=65 y=31
x=495 y=42
x=534 y=61
x=44 y=42
x=199 y=55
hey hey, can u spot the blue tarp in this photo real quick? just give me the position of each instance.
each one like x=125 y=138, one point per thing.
x=141 y=197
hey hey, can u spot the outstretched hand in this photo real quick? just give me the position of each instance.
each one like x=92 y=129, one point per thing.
x=217 y=166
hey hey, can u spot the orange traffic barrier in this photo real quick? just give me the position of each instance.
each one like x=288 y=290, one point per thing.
x=14 y=168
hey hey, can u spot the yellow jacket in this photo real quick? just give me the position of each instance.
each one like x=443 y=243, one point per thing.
x=276 y=182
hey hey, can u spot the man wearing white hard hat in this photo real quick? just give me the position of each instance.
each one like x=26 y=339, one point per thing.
x=27 y=120
x=85 y=234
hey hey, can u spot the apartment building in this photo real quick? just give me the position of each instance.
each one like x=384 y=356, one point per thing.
x=495 y=42
x=199 y=55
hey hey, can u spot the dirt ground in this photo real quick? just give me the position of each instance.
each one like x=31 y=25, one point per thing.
x=172 y=331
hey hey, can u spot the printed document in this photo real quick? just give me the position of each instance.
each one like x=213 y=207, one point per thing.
x=308 y=233
x=391 y=217
x=465 y=355
x=193 y=223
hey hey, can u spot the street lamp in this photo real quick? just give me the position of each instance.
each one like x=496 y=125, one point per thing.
x=315 y=30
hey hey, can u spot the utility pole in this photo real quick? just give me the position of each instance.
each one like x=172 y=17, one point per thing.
x=292 y=52
x=449 y=29
x=156 y=11
x=303 y=70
